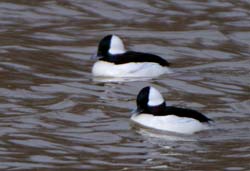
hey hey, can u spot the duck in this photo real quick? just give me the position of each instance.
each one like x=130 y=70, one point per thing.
x=152 y=112
x=115 y=61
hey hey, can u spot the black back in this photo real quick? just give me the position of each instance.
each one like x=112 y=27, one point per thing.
x=183 y=112
x=131 y=56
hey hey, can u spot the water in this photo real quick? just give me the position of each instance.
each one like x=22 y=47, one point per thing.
x=54 y=116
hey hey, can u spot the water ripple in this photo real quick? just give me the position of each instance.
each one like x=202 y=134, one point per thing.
x=55 y=116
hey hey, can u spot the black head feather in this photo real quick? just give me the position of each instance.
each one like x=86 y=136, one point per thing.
x=104 y=46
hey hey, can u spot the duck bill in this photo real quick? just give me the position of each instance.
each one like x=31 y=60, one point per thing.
x=95 y=57
x=136 y=111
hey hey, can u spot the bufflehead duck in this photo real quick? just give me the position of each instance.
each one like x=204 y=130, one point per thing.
x=115 y=61
x=152 y=112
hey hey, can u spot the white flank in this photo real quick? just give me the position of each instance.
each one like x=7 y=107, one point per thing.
x=132 y=69
x=155 y=98
x=170 y=123
x=116 y=45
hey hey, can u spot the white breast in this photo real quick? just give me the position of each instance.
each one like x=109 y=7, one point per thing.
x=140 y=69
x=170 y=123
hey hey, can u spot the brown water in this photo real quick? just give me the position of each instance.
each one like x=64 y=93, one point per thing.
x=53 y=116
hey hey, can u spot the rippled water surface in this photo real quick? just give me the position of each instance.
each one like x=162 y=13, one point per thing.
x=55 y=116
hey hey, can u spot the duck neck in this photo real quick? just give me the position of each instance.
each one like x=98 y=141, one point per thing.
x=157 y=110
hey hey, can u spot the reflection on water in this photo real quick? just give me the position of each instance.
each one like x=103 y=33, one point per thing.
x=54 y=115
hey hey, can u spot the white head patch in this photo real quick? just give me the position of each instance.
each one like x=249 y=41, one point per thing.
x=154 y=98
x=116 y=45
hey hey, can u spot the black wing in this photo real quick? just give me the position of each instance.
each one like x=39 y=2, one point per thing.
x=131 y=56
x=189 y=113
